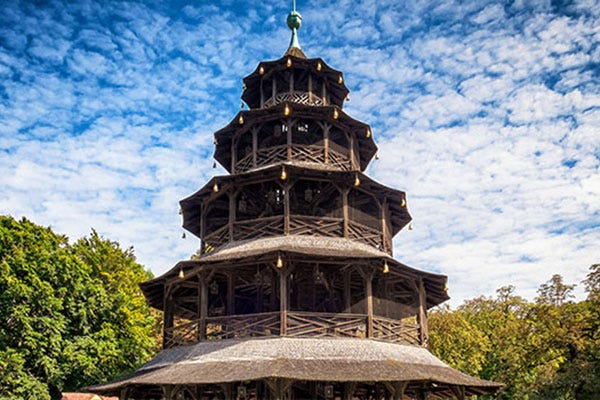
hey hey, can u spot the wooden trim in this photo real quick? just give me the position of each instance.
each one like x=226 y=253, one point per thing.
x=422 y=316
x=369 y=295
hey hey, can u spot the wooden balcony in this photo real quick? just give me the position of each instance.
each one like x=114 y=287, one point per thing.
x=330 y=158
x=298 y=225
x=297 y=324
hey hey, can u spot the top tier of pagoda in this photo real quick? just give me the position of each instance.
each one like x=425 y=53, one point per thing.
x=295 y=117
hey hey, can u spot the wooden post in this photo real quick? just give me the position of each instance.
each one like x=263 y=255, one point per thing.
x=352 y=155
x=283 y=301
x=230 y=293
x=274 y=89
x=422 y=316
x=203 y=288
x=254 y=147
x=356 y=151
x=347 y=294
x=289 y=140
x=326 y=142
x=202 y=228
x=310 y=100
x=167 y=316
x=233 y=156
x=384 y=233
x=232 y=218
x=369 y=285
x=324 y=92
x=345 y=193
x=286 y=208
x=291 y=82
x=262 y=94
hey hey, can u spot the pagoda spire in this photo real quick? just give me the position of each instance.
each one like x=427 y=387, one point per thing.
x=294 y=22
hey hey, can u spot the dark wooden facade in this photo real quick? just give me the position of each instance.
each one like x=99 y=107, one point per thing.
x=295 y=248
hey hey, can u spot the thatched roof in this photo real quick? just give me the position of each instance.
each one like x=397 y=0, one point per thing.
x=315 y=248
x=311 y=359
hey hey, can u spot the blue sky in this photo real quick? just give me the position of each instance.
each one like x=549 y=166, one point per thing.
x=486 y=113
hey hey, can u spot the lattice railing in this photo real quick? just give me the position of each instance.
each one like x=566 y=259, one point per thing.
x=325 y=324
x=256 y=228
x=299 y=324
x=296 y=97
x=181 y=335
x=366 y=234
x=217 y=238
x=241 y=326
x=395 y=330
x=303 y=153
x=322 y=226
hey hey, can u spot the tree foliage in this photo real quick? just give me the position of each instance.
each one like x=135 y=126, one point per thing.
x=70 y=314
x=547 y=349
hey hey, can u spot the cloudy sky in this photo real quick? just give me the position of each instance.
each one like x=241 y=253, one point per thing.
x=486 y=113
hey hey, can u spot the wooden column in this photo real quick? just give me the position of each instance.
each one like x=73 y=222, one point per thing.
x=326 y=142
x=262 y=94
x=396 y=389
x=310 y=100
x=286 y=208
x=324 y=92
x=233 y=155
x=384 y=232
x=291 y=82
x=203 y=289
x=273 y=89
x=347 y=293
x=345 y=210
x=168 y=311
x=422 y=315
x=289 y=140
x=202 y=228
x=230 y=293
x=369 y=294
x=283 y=300
x=232 y=218
x=352 y=155
x=254 y=147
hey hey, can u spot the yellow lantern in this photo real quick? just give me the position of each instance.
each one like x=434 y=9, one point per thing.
x=283 y=175
x=319 y=66
x=261 y=70
x=356 y=180
x=368 y=132
x=241 y=120
x=289 y=62
x=336 y=114
x=386 y=267
x=340 y=79
x=216 y=188
x=403 y=202
x=279 y=262
x=181 y=274
x=287 y=110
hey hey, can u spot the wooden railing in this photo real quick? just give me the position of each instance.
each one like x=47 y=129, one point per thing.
x=299 y=152
x=297 y=96
x=298 y=324
x=299 y=225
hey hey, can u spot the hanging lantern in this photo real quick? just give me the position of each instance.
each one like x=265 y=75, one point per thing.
x=216 y=142
x=279 y=262
x=368 y=133
x=403 y=202
x=215 y=188
x=283 y=175
x=336 y=114
x=214 y=164
x=180 y=211
x=356 y=180
x=261 y=70
x=287 y=110
x=244 y=87
x=242 y=105
x=183 y=235
x=241 y=120
x=410 y=227
x=340 y=79
x=319 y=66
x=377 y=156
x=386 y=267
x=181 y=274
x=348 y=98
x=289 y=62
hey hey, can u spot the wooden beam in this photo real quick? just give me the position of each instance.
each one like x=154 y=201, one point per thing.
x=168 y=308
x=422 y=316
x=283 y=300
x=369 y=295
x=254 y=147
x=203 y=289
x=345 y=211
x=230 y=293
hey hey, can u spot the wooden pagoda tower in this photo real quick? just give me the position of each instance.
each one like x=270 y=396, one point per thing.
x=295 y=294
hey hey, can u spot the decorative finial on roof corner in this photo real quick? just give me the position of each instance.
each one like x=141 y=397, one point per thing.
x=294 y=22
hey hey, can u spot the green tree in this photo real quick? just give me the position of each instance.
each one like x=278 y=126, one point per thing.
x=70 y=315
